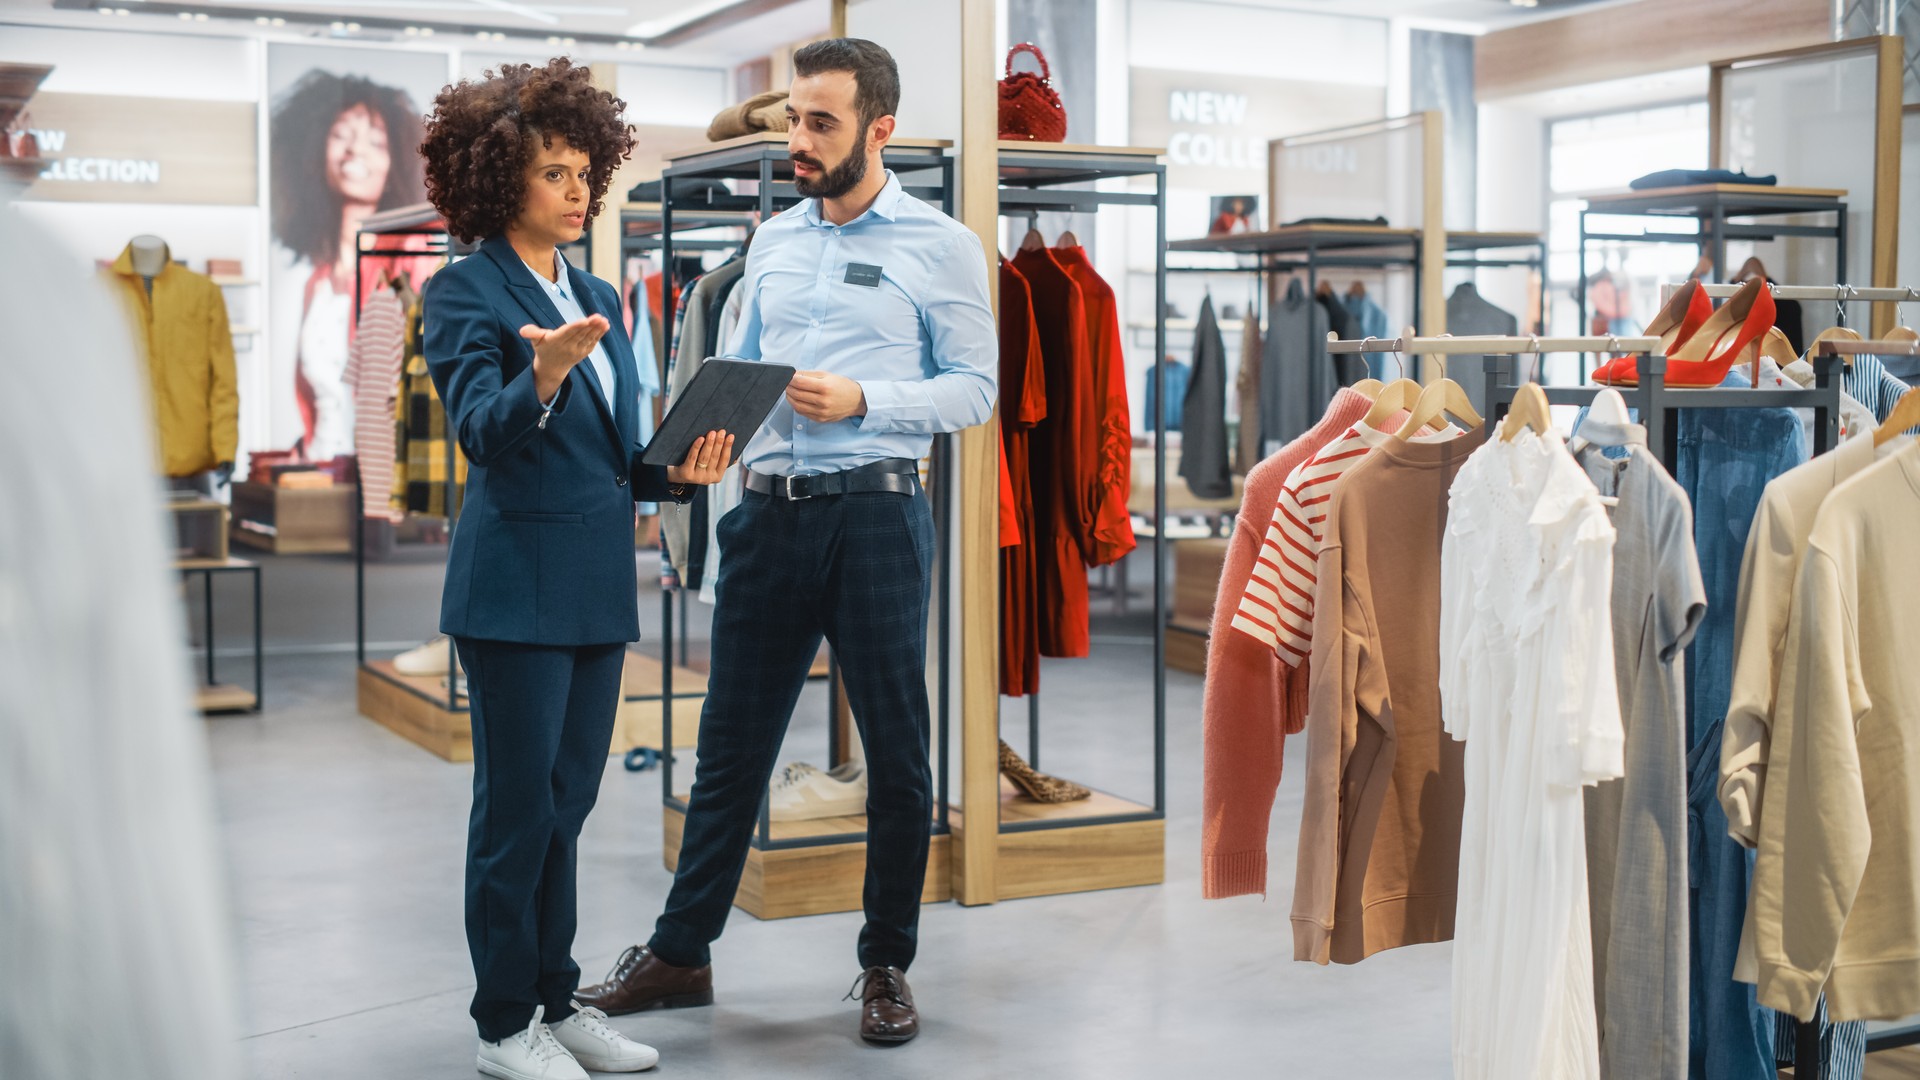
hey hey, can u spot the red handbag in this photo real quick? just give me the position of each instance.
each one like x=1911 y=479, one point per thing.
x=1029 y=107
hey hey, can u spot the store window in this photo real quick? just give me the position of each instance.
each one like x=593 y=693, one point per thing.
x=1606 y=152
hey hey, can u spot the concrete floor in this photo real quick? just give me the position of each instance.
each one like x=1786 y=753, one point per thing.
x=346 y=847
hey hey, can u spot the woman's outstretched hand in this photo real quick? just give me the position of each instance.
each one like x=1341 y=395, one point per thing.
x=707 y=460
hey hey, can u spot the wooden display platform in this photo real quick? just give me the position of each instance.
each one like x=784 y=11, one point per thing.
x=221 y=698
x=817 y=880
x=415 y=707
x=1047 y=862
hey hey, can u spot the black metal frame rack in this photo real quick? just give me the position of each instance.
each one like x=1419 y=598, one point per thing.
x=1710 y=207
x=1034 y=181
x=767 y=165
x=442 y=245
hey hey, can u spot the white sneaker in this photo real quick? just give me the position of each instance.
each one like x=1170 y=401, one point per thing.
x=428 y=659
x=803 y=793
x=533 y=1054
x=593 y=1044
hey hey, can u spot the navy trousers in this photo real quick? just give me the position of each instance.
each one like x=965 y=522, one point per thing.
x=856 y=569
x=542 y=721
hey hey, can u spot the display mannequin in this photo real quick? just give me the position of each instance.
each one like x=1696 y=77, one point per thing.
x=150 y=255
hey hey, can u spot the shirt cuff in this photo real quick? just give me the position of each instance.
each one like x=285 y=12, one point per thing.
x=887 y=406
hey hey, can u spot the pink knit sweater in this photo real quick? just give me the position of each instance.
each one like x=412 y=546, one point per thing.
x=1248 y=688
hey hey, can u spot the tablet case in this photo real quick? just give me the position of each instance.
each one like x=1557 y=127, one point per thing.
x=725 y=395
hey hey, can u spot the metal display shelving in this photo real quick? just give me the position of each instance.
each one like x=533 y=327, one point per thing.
x=926 y=171
x=1039 y=177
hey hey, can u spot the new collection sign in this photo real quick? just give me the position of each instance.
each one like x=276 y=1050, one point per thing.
x=107 y=148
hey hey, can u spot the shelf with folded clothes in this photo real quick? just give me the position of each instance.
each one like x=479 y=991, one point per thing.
x=706 y=199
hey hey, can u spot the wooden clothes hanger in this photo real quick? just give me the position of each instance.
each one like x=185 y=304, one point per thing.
x=1905 y=414
x=1833 y=333
x=1442 y=396
x=1067 y=240
x=1530 y=410
x=1368 y=388
x=1393 y=397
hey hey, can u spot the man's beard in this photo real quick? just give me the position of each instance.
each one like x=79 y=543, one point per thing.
x=835 y=182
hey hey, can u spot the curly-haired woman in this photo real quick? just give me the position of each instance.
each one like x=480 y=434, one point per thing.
x=351 y=134
x=540 y=590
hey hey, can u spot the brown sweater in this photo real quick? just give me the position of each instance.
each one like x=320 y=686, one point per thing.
x=1380 y=832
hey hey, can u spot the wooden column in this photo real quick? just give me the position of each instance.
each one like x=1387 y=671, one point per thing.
x=605 y=229
x=1886 y=180
x=837 y=21
x=977 y=829
x=1433 y=227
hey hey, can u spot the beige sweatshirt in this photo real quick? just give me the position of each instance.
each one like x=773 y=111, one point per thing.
x=1775 y=547
x=1379 y=848
x=1836 y=890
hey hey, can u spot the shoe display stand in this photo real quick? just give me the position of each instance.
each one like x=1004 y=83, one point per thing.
x=214 y=696
x=819 y=866
x=417 y=708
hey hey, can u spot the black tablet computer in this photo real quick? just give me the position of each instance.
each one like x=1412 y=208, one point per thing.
x=734 y=396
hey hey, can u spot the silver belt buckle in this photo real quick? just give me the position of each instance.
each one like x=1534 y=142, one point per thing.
x=791 y=497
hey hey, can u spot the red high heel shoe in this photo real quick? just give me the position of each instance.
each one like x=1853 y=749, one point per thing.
x=1675 y=325
x=1705 y=360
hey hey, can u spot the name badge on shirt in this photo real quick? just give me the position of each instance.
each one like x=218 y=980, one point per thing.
x=863 y=274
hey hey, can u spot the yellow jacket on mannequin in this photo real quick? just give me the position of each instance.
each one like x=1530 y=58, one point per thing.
x=188 y=344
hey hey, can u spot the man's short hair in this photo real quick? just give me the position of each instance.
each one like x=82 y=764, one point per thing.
x=876 y=79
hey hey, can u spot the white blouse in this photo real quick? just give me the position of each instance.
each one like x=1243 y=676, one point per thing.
x=1527 y=681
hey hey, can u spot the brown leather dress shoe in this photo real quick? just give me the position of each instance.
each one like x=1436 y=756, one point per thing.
x=641 y=981
x=887 y=1013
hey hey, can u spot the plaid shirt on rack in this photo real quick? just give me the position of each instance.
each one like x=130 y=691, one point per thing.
x=421 y=449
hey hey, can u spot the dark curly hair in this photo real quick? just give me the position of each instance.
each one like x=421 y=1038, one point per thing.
x=306 y=211
x=480 y=134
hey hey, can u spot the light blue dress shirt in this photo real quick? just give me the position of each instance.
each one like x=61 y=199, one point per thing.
x=561 y=293
x=895 y=300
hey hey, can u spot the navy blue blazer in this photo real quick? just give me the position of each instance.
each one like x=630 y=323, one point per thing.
x=543 y=549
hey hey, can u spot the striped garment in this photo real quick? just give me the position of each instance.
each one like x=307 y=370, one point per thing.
x=374 y=363
x=1277 y=607
x=1868 y=380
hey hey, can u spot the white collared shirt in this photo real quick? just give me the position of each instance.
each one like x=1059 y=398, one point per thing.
x=561 y=293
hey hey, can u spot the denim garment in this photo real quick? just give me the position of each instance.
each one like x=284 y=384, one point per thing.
x=1369 y=320
x=1726 y=459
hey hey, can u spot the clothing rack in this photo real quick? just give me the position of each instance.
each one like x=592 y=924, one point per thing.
x=1657 y=403
x=1033 y=178
x=926 y=171
x=422 y=222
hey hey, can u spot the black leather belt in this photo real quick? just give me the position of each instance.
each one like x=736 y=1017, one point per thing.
x=898 y=475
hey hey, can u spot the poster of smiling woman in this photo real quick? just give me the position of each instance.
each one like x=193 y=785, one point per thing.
x=343 y=133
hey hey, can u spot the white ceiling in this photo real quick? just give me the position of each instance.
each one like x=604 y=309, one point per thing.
x=754 y=37
x=1467 y=14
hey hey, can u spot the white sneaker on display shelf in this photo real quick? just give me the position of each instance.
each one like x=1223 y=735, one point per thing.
x=802 y=792
x=428 y=659
x=533 y=1054
x=597 y=1046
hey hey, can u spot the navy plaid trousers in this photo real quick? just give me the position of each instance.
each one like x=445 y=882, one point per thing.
x=855 y=569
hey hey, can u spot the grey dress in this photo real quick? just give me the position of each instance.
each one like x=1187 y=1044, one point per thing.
x=1637 y=825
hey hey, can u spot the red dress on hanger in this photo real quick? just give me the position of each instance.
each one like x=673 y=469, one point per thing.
x=1062 y=477
x=1023 y=404
x=1110 y=454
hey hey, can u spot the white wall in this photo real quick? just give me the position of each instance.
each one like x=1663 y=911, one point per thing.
x=924 y=38
x=134 y=63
